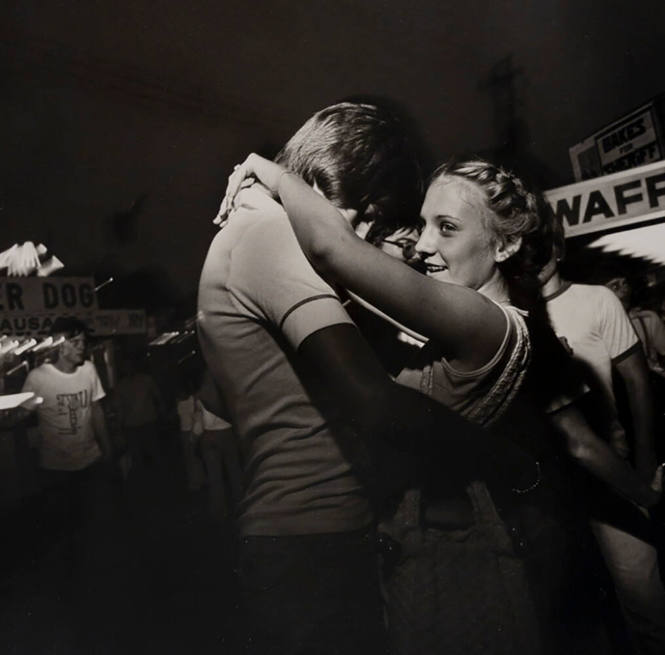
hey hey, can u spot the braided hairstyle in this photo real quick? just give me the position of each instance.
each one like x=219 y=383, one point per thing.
x=516 y=212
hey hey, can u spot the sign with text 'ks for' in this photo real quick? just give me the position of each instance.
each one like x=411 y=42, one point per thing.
x=611 y=201
x=52 y=295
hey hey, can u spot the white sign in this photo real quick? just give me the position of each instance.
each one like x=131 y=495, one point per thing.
x=610 y=201
x=52 y=295
x=107 y=322
x=629 y=142
x=101 y=322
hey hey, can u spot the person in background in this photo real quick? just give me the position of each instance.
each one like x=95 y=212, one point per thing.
x=598 y=331
x=648 y=325
x=74 y=442
x=139 y=406
x=191 y=427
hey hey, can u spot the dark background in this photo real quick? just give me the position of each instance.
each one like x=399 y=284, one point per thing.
x=122 y=119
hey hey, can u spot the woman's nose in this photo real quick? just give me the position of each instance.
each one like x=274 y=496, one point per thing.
x=426 y=243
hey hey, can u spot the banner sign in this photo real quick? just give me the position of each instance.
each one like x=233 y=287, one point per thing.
x=629 y=142
x=610 y=201
x=55 y=295
x=101 y=322
x=107 y=322
x=634 y=140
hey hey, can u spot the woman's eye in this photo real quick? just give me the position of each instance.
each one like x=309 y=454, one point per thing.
x=446 y=227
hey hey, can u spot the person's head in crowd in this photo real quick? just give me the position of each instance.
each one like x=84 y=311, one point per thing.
x=482 y=224
x=73 y=332
x=621 y=288
x=359 y=157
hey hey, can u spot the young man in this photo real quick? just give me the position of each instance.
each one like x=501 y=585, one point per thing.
x=71 y=420
x=596 y=328
x=307 y=397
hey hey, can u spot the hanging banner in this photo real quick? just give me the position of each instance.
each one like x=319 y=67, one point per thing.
x=611 y=201
x=47 y=295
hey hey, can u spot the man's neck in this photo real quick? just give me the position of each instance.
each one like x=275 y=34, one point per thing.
x=64 y=366
x=552 y=285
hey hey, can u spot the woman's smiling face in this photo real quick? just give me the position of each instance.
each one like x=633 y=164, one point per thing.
x=456 y=241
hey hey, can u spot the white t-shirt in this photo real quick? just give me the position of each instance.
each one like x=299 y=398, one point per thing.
x=65 y=417
x=596 y=327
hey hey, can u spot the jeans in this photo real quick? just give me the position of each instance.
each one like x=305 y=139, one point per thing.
x=312 y=594
x=633 y=565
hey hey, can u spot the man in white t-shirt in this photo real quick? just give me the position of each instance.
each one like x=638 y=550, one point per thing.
x=73 y=436
x=597 y=329
x=648 y=325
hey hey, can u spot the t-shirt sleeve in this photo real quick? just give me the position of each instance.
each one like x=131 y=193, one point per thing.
x=615 y=327
x=97 y=389
x=272 y=276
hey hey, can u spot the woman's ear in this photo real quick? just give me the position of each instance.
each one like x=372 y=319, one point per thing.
x=507 y=249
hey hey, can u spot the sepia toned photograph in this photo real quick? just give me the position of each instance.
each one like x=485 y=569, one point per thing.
x=332 y=328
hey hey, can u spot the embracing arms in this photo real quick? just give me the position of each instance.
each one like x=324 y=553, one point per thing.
x=452 y=315
x=377 y=408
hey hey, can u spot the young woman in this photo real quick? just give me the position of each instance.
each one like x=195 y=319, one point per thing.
x=483 y=240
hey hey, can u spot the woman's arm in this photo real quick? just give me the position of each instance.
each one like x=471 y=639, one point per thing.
x=453 y=315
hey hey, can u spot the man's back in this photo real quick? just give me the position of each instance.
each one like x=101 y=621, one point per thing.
x=255 y=309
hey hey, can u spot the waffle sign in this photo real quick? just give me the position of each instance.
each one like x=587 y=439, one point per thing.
x=611 y=201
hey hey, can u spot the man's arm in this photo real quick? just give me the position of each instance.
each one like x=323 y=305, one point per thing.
x=99 y=427
x=375 y=406
x=594 y=455
x=635 y=375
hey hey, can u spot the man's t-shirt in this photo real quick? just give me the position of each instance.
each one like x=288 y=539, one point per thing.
x=595 y=326
x=65 y=416
x=259 y=299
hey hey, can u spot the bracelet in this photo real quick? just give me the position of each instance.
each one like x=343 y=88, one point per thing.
x=531 y=487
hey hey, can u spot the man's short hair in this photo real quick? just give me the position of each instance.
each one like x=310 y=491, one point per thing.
x=360 y=157
x=69 y=326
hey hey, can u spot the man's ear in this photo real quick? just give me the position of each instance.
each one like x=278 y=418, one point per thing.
x=506 y=249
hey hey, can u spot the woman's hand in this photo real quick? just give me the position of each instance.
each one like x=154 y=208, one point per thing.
x=253 y=168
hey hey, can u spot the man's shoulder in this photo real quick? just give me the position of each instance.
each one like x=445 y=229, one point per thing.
x=593 y=296
x=41 y=372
